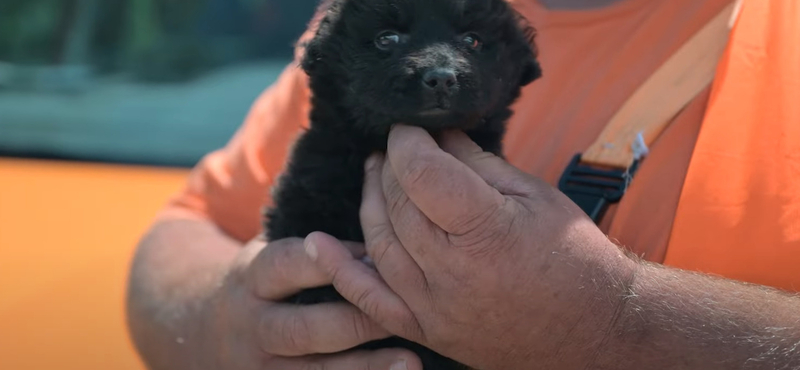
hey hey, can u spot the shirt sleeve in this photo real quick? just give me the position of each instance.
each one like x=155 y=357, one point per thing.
x=230 y=186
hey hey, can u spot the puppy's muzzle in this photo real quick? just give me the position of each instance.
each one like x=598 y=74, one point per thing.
x=442 y=81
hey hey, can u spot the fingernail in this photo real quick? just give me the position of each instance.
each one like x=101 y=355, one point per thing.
x=311 y=249
x=367 y=260
x=399 y=365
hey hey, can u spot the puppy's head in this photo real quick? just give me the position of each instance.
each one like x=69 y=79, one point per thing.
x=432 y=63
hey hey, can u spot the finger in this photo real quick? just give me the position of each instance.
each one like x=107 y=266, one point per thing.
x=384 y=359
x=283 y=269
x=417 y=234
x=292 y=330
x=391 y=259
x=447 y=191
x=495 y=171
x=362 y=286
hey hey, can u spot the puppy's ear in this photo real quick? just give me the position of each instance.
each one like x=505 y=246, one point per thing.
x=319 y=27
x=311 y=56
x=531 y=71
x=530 y=68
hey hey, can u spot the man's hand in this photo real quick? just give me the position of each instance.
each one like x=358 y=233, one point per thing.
x=498 y=270
x=478 y=260
x=189 y=316
x=248 y=327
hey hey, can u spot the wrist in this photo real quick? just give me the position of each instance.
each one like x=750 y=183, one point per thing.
x=610 y=343
x=586 y=310
x=608 y=303
x=604 y=278
x=674 y=319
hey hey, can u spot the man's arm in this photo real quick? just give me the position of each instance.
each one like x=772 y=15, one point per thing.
x=177 y=267
x=200 y=300
x=674 y=319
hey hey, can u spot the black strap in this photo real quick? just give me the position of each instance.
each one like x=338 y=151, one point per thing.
x=594 y=189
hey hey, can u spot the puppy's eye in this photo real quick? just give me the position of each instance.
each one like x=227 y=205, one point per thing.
x=387 y=39
x=472 y=41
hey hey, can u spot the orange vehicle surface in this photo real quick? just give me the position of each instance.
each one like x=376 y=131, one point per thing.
x=67 y=232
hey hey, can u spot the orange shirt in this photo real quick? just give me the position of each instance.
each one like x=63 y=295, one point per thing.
x=593 y=60
x=739 y=210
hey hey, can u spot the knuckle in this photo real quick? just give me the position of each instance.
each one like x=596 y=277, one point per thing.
x=281 y=262
x=421 y=172
x=240 y=276
x=361 y=327
x=364 y=299
x=379 y=239
x=396 y=198
x=266 y=335
x=274 y=268
x=377 y=233
x=242 y=269
x=393 y=316
x=411 y=329
x=381 y=251
x=295 y=334
x=345 y=287
x=474 y=221
x=497 y=231
x=388 y=314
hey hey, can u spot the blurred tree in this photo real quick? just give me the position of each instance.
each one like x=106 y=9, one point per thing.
x=278 y=23
x=142 y=28
x=161 y=44
x=109 y=46
x=157 y=40
x=28 y=30
x=79 y=35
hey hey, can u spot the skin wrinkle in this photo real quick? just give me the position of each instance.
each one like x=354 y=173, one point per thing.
x=398 y=201
x=495 y=237
x=386 y=239
x=474 y=224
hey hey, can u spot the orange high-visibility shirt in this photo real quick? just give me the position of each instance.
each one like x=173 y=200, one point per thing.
x=593 y=60
x=739 y=213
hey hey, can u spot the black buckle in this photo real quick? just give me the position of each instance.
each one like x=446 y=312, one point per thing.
x=594 y=189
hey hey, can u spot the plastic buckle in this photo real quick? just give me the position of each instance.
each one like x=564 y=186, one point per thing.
x=594 y=189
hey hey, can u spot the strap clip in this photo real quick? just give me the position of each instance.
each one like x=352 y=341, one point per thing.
x=594 y=189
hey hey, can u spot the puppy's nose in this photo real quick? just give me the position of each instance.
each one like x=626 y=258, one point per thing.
x=439 y=79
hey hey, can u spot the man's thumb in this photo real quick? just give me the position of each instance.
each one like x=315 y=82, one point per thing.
x=498 y=173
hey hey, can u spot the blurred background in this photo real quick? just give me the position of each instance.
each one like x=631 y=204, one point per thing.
x=104 y=106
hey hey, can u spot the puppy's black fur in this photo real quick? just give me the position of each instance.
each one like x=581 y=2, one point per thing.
x=437 y=64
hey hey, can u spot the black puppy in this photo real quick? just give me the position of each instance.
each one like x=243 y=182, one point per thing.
x=437 y=64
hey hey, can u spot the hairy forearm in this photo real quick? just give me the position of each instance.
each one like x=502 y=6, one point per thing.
x=673 y=319
x=177 y=266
